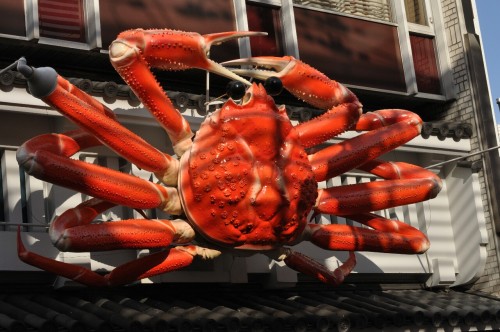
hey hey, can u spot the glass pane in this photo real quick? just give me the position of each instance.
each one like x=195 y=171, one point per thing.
x=424 y=60
x=266 y=19
x=199 y=16
x=377 y=9
x=62 y=19
x=13 y=18
x=351 y=50
x=415 y=11
x=196 y=15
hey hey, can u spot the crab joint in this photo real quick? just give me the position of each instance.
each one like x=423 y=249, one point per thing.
x=172 y=203
x=205 y=253
x=184 y=233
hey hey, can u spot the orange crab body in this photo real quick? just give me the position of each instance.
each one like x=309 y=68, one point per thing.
x=247 y=182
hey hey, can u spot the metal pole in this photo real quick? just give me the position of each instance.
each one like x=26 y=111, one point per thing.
x=9 y=67
x=463 y=157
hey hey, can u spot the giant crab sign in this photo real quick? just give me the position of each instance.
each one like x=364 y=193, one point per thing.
x=246 y=183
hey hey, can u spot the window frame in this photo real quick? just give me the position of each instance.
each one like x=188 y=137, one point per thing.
x=287 y=19
x=29 y=15
x=367 y=20
x=435 y=30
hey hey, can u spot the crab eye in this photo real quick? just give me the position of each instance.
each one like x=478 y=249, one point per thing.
x=273 y=86
x=235 y=90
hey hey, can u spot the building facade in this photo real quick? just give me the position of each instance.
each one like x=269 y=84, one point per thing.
x=420 y=55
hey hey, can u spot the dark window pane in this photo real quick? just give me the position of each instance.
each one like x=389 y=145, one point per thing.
x=13 y=18
x=197 y=16
x=351 y=50
x=266 y=19
x=424 y=60
x=62 y=19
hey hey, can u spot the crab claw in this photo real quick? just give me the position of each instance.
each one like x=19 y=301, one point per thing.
x=217 y=39
x=174 y=50
x=300 y=79
x=135 y=52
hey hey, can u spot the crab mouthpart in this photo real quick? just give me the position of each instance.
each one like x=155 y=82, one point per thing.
x=266 y=66
x=247 y=97
x=253 y=93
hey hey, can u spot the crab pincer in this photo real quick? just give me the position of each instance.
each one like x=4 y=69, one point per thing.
x=134 y=52
x=306 y=83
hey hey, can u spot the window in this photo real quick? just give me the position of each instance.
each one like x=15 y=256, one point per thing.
x=267 y=19
x=393 y=47
x=62 y=20
x=200 y=16
x=349 y=50
x=415 y=12
x=13 y=194
x=13 y=18
x=425 y=63
x=272 y=16
x=424 y=37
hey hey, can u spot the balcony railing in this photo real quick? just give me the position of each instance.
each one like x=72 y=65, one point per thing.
x=33 y=203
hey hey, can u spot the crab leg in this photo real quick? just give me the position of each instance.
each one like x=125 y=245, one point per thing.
x=305 y=264
x=47 y=157
x=134 y=51
x=154 y=264
x=404 y=184
x=98 y=120
x=385 y=235
x=73 y=231
x=389 y=129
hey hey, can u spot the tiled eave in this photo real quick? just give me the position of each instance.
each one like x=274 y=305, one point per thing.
x=111 y=91
x=235 y=308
